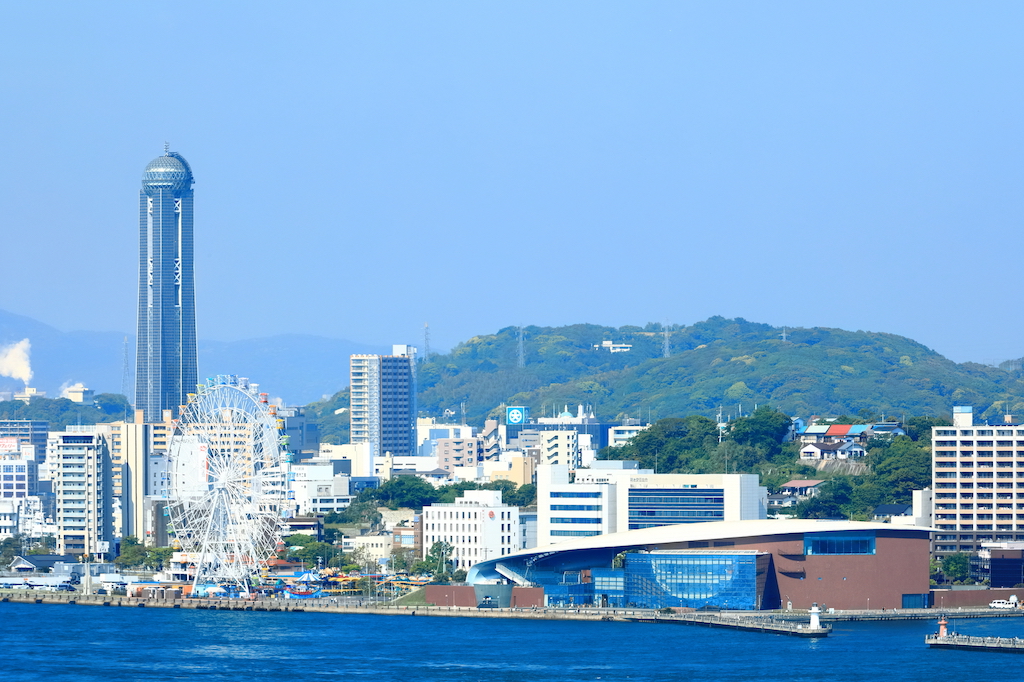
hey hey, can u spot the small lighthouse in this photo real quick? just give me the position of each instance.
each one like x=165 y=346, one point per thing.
x=815 y=621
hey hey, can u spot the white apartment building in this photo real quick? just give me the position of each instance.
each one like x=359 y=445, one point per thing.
x=478 y=526
x=612 y=497
x=621 y=435
x=81 y=466
x=977 y=483
x=556 y=447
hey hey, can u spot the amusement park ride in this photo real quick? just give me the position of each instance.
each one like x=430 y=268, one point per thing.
x=230 y=498
x=229 y=484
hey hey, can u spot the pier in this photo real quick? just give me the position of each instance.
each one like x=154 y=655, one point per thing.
x=767 y=625
x=954 y=641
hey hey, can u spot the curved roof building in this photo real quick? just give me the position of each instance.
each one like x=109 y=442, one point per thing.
x=762 y=564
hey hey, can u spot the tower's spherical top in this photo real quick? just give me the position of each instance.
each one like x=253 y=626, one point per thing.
x=169 y=173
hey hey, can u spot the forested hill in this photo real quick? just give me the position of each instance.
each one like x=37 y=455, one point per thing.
x=727 y=362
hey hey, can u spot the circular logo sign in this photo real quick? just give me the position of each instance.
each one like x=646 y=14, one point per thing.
x=515 y=416
x=491 y=514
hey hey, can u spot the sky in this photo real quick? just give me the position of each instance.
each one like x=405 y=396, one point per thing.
x=364 y=168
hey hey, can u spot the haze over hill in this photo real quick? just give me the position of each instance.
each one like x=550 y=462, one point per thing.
x=296 y=367
x=734 y=364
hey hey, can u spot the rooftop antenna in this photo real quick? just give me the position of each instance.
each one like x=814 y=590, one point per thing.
x=521 y=357
x=167 y=148
x=463 y=406
x=666 y=351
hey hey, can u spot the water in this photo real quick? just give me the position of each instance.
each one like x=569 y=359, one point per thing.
x=83 y=643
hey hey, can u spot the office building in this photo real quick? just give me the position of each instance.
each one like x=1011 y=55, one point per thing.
x=166 y=369
x=383 y=401
x=477 y=526
x=977 y=483
x=612 y=497
x=27 y=432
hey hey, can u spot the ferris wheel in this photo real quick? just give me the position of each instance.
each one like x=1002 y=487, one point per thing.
x=228 y=482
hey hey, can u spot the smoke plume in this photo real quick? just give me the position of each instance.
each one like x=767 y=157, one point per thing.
x=14 y=361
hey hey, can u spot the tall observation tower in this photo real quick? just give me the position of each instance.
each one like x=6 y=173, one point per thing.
x=166 y=369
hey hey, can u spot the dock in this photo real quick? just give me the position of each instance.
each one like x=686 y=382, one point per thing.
x=736 y=622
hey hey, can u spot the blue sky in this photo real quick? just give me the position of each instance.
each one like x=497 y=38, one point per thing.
x=363 y=168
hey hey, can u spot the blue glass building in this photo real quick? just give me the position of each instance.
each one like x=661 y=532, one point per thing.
x=166 y=367
x=731 y=580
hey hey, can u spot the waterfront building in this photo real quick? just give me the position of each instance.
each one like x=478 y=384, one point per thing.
x=478 y=526
x=166 y=368
x=383 y=401
x=977 y=483
x=754 y=564
x=615 y=496
x=80 y=458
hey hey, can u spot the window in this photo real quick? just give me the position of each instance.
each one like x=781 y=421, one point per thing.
x=839 y=543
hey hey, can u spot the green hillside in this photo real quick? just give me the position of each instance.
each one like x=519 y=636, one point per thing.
x=718 y=362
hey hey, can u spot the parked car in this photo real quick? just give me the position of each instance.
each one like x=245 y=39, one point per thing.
x=487 y=603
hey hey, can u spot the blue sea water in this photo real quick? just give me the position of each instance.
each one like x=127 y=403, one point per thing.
x=86 y=643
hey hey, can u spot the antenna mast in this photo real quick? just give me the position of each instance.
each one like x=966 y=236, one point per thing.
x=666 y=351
x=426 y=342
x=521 y=356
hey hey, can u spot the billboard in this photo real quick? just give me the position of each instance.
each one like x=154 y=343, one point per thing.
x=514 y=416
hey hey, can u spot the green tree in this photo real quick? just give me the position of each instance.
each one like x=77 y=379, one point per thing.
x=957 y=567
x=132 y=552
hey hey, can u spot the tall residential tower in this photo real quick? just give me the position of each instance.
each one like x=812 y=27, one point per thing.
x=166 y=368
x=383 y=401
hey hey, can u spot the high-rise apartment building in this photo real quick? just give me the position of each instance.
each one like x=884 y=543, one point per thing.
x=80 y=461
x=138 y=452
x=383 y=401
x=166 y=368
x=978 y=483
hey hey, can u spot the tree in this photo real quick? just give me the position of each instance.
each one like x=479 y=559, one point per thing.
x=406 y=491
x=132 y=552
x=957 y=567
x=763 y=430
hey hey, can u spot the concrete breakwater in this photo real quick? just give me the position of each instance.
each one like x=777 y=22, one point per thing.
x=325 y=605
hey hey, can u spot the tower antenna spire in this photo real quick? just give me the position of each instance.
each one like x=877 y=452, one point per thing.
x=167 y=148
